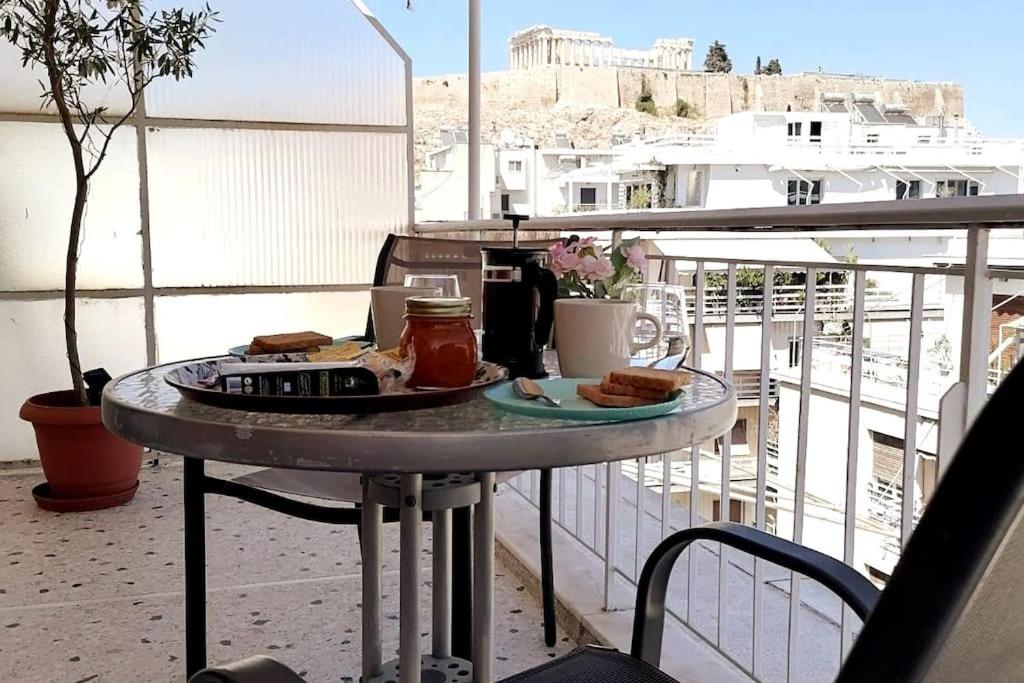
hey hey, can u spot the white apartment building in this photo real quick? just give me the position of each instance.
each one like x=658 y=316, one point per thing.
x=517 y=175
x=852 y=150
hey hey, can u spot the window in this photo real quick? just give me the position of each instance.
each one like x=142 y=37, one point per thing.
x=956 y=188
x=911 y=190
x=515 y=165
x=800 y=192
x=815 y=131
x=739 y=431
x=795 y=346
x=794 y=129
x=588 y=195
x=735 y=510
x=632 y=190
x=505 y=203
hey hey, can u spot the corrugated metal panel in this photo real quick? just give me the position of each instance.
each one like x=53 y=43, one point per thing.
x=231 y=319
x=869 y=112
x=20 y=89
x=251 y=207
x=37 y=189
x=33 y=357
x=314 y=62
x=900 y=117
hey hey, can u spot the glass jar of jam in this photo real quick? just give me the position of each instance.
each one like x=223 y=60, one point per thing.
x=440 y=340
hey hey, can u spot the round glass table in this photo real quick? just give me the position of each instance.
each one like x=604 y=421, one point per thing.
x=473 y=437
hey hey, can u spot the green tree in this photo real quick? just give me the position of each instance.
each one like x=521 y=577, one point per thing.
x=645 y=102
x=684 y=109
x=640 y=198
x=718 y=59
x=774 y=68
x=757 y=67
x=76 y=44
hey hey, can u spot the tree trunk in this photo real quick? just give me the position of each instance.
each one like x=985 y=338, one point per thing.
x=81 y=193
x=70 y=286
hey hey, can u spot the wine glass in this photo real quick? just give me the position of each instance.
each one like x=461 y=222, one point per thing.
x=447 y=285
x=668 y=304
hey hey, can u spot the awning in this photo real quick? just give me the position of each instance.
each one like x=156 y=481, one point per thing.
x=750 y=247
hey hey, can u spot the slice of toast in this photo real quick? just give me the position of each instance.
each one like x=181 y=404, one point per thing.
x=649 y=378
x=637 y=392
x=291 y=341
x=593 y=393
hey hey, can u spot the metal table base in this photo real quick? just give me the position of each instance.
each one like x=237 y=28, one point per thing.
x=442 y=493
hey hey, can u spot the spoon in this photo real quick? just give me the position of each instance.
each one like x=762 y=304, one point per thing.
x=529 y=390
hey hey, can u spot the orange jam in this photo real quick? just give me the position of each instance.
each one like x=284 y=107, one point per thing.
x=439 y=338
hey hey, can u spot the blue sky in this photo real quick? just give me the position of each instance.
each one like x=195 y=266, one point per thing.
x=977 y=44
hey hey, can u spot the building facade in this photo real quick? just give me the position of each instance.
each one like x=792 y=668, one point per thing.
x=540 y=46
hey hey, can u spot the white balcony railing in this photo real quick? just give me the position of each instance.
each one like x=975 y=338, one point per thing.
x=807 y=488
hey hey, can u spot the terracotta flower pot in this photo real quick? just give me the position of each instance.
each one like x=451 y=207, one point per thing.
x=80 y=458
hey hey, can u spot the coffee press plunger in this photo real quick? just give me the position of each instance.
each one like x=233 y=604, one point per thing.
x=519 y=294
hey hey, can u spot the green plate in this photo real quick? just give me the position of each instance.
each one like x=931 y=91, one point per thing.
x=573 y=407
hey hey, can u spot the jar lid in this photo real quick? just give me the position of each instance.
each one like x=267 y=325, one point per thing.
x=439 y=306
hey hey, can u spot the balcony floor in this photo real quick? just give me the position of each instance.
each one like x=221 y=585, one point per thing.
x=97 y=596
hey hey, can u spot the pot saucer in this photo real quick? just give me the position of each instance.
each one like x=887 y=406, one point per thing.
x=41 y=493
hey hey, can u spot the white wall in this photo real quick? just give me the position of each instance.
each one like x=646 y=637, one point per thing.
x=826 y=465
x=441 y=195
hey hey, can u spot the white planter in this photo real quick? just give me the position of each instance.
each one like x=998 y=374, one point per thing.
x=595 y=336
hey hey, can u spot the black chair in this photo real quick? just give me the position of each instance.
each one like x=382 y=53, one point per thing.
x=400 y=256
x=952 y=611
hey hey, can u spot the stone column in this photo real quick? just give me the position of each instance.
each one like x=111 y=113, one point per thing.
x=545 y=44
x=572 y=51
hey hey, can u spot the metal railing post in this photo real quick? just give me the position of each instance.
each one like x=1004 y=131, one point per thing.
x=977 y=318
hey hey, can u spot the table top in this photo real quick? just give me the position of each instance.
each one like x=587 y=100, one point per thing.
x=469 y=437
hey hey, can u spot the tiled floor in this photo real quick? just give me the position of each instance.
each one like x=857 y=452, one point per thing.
x=98 y=596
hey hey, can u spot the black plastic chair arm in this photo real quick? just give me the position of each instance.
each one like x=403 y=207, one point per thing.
x=255 y=669
x=271 y=501
x=649 y=619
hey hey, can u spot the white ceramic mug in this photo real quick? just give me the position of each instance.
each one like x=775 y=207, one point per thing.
x=387 y=305
x=595 y=336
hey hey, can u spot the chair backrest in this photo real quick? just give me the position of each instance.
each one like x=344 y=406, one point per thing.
x=954 y=607
x=402 y=255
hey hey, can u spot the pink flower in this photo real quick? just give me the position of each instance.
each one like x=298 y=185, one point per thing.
x=635 y=256
x=586 y=242
x=566 y=263
x=595 y=269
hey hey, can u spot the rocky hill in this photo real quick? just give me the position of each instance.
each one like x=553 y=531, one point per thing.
x=593 y=103
x=586 y=126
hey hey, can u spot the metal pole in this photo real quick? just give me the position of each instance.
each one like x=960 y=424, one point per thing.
x=483 y=581
x=195 y=566
x=474 y=111
x=976 y=320
x=462 y=583
x=372 y=521
x=411 y=547
x=442 y=585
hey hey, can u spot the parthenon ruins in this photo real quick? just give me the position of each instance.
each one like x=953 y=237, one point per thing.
x=540 y=46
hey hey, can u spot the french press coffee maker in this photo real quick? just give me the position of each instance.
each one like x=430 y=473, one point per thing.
x=519 y=294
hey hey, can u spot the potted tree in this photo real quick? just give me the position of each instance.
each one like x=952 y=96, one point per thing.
x=77 y=47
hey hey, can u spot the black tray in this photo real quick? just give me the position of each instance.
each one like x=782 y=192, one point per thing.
x=187 y=379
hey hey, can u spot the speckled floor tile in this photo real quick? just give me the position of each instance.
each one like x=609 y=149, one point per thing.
x=136 y=548
x=97 y=596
